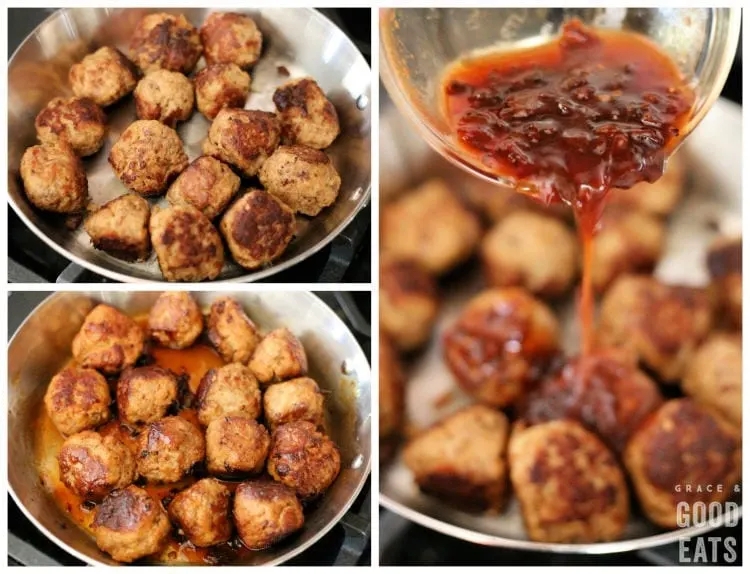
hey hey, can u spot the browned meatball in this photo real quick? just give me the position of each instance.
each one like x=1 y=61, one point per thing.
x=169 y=448
x=236 y=445
x=231 y=37
x=202 y=512
x=130 y=524
x=147 y=157
x=207 y=185
x=92 y=465
x=390 y=398
x=499 y=343
x=54 y=178
x=724 y=263
x=229 y=390
x=243 y=138
x=683 y=445
x=570 y=487
x=303 y=459
x=120 y=227
x=307 y=116
x=258 y=228
x=265 y=512
x=77 y=399
x=231 y=331
x=164 y=96
x=220 y=86
x=296 y=400
x=165 y=41
x=461 y=459
x=105 y=76
x=175 y=320
x=78 y=121
x=109 y=340
x=144 y=394
x=186 y=243
x=278 y=357
x=660 y=197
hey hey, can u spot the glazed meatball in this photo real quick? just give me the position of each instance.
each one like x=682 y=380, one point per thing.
x=165 y=41
x=175 y=320
x=303 y=459
x=296 y=400
x=569 y=485
x=78 y=121
x=430 y=226
x=221 y=86
x=258 y=228
x=77 y=399
x=186 y=243
x=54 y=178
x=144 y=394
x=713 y=376
x=683 y=444
x=231 y=331
x=725 y=267
x=499 y=344
x=659 y=324
x=164 y=96
x=243 y=138
x=207 y=185
x=202 y=512
x=236 y=445
x=390 y=398
x=105 y=76
x=169 y=448
x=265 y=512
x=229 y=390
x=229 y=37
x=120 y=227
x=92 y=465
x=307 y=116
x=147 y=157
x=278 y=357
x=531 y=250
x=660 y=197
x=108 y=341
x=461 y=459
x=130 y=524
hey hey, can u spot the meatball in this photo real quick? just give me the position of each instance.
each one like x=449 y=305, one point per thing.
x=724 y=263
x=175 y=320
x=108 y=341
x=569 y=485
x=202 y=512
x=713 y=376
x=186 y=243
x=461 y=459
x=307 y=116
x=54 y=178
x=77 y=399
x=265 y=512
x=430 y=226
x=165 y=41
x=145 y=394
x=278 y=357
x=229 y=390
x=296 y=400
x=105 y=76
x=147 y=157
x=164 y=96
x=659 y=324
x=78 y=121
x=120 y=227
x=660 y=197
x=207 y=185
x=258 y=228
x=243 y=138
x=531 y=250
x=231 y=331
x=390 y=398
x=92 y=465
x=130 y=524
x=169 y=448
x=229 y=37
x=221 y=86
x=499 y=345
x=236 y=445
x=683 y=445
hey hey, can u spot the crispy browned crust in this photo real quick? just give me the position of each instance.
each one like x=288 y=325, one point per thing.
x=229 y=390
x=77 y=399
x=104 y=76
x=169 y=448
x=125 y=509
x=120 y=227
x=202 y=512
x=294 y=99
x=266 y=512
x=207 y=184
x=165 y=41
x=175 y=320
x=68 y=119
x=231 y=37
x=278 y=357
x=236 y=445
x=299 y=399
x=54 y=178
x=165 y=96
x=231 y=331
x=108 y=340
x=146 y=378
x=221 y=86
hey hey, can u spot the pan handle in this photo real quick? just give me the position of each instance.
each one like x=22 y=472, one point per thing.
x=356 y=320
x=356 y=535
x=24 y=553
x=71 y=274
